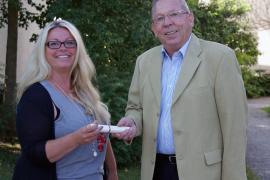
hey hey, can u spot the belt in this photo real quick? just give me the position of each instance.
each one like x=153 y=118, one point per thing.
x=169 y=158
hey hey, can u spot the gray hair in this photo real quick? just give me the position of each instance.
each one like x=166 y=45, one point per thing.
x=184 y=6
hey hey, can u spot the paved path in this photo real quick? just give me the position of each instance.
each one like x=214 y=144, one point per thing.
x=258 y=145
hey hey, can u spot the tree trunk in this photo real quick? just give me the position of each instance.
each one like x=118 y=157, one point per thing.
x=11 y=55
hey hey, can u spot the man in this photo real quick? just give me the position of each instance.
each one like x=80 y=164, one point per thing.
x=188 y=101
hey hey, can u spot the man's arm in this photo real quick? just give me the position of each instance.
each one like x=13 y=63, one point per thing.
x=232 y=109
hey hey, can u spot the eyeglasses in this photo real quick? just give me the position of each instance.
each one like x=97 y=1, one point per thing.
x=174 y=16
x=57 y=44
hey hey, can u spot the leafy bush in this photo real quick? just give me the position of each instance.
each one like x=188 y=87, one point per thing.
x=257 y=83
x=7 y=113
x=224 y=24
x=114 y=88
x=222 y=21
x=7 y=123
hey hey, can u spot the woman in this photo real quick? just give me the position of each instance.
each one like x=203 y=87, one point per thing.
x=58 y=112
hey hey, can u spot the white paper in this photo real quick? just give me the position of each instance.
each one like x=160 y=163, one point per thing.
x=112 y=129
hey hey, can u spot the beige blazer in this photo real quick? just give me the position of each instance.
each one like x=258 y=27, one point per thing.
x=209 y=112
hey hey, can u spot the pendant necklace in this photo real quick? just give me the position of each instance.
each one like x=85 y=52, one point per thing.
x=101 y=139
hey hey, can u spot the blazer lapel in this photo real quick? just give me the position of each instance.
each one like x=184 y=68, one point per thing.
x=155 y=74
x=190 y=64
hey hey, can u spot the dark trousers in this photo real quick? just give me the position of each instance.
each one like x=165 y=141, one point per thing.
x=165 y=168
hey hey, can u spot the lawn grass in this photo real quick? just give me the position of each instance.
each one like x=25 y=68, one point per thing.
x=251 y=175
x=9 y=153
x=267 y=109
x=129 y=173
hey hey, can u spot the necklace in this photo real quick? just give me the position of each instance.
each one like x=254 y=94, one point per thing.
x=68 y=95
x=101 y=139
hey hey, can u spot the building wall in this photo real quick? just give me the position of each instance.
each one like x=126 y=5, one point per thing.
x=264 y=47
x=24 y=46
x=3 y=40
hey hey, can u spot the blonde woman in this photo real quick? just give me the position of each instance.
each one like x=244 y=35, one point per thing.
x=58 y=112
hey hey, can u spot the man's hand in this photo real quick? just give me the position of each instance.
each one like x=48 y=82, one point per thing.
x=128 y=134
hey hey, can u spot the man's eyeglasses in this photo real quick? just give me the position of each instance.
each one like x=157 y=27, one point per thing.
x=174 y=16
x=57 y=44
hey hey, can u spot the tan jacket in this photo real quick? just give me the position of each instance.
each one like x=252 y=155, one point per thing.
x=209 y=112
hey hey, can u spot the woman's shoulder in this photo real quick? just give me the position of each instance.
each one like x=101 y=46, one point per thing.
x=36 y=93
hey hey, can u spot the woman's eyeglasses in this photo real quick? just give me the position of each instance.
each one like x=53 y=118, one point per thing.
x=57 y=44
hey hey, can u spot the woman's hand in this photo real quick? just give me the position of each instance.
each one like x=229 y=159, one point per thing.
x=87 y=134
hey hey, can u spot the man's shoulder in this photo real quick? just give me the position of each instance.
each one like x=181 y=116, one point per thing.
x=213 y=46
x=150 y=52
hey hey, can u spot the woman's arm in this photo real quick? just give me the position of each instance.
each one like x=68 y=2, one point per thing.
x=110 y=163
x=58 y=148
x=35 y=128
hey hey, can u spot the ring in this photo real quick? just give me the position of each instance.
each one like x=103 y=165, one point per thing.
x=109 y=128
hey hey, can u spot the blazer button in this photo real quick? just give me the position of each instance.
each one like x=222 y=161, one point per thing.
x=178 y=132
x=158 y=114
x=180 y=157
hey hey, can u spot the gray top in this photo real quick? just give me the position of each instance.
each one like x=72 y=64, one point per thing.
x=80 y=164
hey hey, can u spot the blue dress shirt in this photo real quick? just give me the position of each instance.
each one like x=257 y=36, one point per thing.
x=171 y=67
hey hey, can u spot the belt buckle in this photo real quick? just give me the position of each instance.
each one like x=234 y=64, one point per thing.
x=172 y=159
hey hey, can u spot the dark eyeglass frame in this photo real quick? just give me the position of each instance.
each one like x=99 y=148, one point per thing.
x=66 y=44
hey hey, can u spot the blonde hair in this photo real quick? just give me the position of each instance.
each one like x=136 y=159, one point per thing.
x=82 y=72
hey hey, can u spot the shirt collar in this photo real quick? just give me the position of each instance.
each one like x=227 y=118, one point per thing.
x=182 y=50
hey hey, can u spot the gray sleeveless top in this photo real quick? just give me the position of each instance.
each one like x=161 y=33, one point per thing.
x=80 y=164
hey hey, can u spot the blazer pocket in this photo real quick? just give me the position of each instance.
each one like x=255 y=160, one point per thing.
x=213 y=157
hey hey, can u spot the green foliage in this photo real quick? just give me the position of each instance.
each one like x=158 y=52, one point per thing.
x=251 y=175
x=256 y=83
x=114 y=33
x=114 y=88
x=7 y=113
x=267 y=109
x=129 y=173
x=8 y=155
x=223 y=23
x=7 y=123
